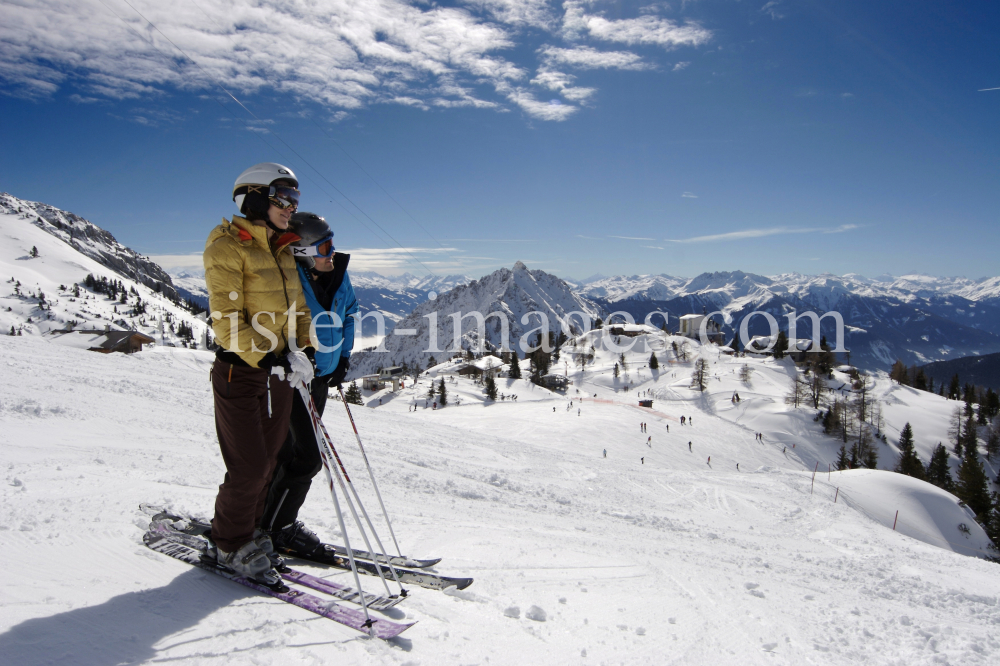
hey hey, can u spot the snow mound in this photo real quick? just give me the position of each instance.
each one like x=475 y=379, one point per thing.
x=926 y=513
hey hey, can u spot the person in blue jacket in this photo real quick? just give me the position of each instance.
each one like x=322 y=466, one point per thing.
x=332 y=304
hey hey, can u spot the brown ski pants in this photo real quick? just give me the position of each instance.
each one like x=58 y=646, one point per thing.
x=252 y=409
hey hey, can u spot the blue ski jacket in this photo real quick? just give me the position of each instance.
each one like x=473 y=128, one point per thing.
x=335 y=334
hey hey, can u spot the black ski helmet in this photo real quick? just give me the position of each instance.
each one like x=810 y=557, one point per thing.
x=312 y=231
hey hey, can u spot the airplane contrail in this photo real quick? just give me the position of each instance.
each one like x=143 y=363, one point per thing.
x=985 y=89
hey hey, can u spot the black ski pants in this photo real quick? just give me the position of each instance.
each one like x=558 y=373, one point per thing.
x=298 y=462
x=251 y=420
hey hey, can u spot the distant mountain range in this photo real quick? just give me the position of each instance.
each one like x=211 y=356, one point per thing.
x=916 y=318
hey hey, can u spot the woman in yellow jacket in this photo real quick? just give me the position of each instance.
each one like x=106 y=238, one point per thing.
x=261 y=323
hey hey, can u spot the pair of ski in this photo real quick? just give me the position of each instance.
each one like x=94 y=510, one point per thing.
x=190 y=549
x=182 y=538
x=331 y=555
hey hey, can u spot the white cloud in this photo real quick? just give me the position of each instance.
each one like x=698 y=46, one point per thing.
x=681 y=65
x=771 y=9
x=759 y=233
x=541 y=110
x=646 y=29
x=518 y=12
x=563 y=84
x=689 y=195
x=342 y=54
x=339 y=53
x=632 y=238
x=585 y=57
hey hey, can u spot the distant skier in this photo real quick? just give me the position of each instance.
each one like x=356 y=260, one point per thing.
x=689 y=447
x=737 y=467
x=690 y=421
x=683 y=419
x=642 y=460
x=605 y=453
x=577 y=411
x=649 y=441
x=710 y=461
x=668 y=427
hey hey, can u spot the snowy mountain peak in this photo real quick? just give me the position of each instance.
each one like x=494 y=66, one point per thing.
x=506 y=295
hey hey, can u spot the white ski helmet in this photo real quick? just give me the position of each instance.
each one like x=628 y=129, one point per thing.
x=264 y=174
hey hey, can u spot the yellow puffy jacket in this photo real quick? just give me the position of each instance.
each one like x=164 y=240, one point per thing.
x=251 y=286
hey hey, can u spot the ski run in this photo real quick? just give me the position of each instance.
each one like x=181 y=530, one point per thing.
x=655 y=554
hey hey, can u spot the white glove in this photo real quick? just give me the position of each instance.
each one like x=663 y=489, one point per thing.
x=301 y=367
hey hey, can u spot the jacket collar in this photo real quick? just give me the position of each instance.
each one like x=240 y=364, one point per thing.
x=248 y=230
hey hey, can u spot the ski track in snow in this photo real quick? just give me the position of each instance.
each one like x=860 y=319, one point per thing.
x=671 y=561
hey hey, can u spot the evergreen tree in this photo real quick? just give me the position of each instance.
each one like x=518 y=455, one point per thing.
x=969 y=397
x=970 y=435
x=34 y=251
x=909 y=463
x=898 y=373
x=992 y=442
x=491 y=387
x=870 y=456
x=653 y=363
x=992 y=524
x=431 y=363
x=12 y=332
x=353 y=394
x=954 y=389
x=920 y=380
x=624 y=363
x=842 y=461
x=615 y=373
x=938 y=470
x=781 y=345
x=442 y=394
x=973 y=484
x=515 y=367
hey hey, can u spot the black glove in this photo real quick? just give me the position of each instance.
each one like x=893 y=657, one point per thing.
x=269 y=361
x=336 y=378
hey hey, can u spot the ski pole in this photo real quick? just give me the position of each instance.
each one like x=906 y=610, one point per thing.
x=370 y=474
x=325 y=443
x=327 y=465
x=350 y=484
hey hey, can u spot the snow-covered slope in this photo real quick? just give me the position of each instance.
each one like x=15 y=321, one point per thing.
x=512 y=293
x=89 y=239
x=653 y=554
x=37 y=294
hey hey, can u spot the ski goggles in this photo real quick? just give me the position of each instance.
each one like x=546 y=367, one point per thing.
x=323 y=248
x=283 y=197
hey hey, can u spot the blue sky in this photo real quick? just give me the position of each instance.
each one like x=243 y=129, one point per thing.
x=580 y=137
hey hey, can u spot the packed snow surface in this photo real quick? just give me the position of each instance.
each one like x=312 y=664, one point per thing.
x=652 y=555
